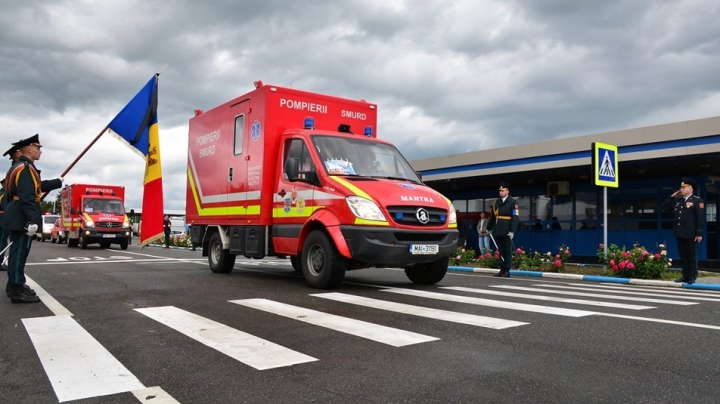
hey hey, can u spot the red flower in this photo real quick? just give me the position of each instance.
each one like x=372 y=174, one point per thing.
x=614 y=267
x=630 y=265
x=558 y=263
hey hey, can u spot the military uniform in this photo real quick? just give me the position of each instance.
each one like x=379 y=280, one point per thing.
x=23 y=191
x=689 y=222
x=3 y=205
x=502 y=225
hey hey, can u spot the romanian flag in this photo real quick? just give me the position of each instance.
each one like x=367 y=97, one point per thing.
x=137 y=126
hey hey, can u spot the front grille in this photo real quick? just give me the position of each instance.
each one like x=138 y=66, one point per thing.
x=108 y=225
x=407 y=215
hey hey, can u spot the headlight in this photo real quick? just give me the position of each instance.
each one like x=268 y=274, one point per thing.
x=126 y=223
x=89 y=223
x=365 y=209
x=452 y=218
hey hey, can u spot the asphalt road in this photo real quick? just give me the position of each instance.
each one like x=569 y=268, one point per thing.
x=156 y=326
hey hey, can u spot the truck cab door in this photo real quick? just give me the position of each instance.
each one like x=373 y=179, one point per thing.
x=294 y=199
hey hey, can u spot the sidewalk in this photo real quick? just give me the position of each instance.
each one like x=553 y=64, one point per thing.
x=703 y=283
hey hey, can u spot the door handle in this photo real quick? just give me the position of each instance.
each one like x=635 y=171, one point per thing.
x=230 y=174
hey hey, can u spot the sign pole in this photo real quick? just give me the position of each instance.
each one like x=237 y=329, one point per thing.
x=605 y=227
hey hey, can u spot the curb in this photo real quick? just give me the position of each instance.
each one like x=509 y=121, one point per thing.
x=592 y=278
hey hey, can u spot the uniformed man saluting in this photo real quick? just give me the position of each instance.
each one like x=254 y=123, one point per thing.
x=689 y=215
x=23 y=218
x=502 y=225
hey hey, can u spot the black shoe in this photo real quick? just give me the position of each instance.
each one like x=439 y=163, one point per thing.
x=690 y=281
x=505 y=274
x=26 y=288
x=681 y=280
x=499 y=273
x=23 y=294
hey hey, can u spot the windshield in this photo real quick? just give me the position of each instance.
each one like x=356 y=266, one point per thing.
x=113 y=206
x=49 y=219
x=358 y=156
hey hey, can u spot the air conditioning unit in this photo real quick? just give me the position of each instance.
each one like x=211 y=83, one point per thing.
x=558 y=188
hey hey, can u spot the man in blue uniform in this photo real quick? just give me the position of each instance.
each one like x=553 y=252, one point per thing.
x=23 y=218
x=689 y=215
x=502 y=225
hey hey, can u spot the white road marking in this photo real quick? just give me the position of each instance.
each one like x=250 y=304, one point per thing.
x=634 y=289
x=436 y=314
x=492 y=303
x=598 y=295
x=154 y=395
x=660 y=320
x=76 y=364
x=363 y=329
x=550 y=298
x=246 y=348
x=49 y=301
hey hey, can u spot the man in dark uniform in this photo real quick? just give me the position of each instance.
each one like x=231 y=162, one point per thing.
x=166 y=229
x=14 y=155
x=502 y=225
x=689 y=215
x=23 y=217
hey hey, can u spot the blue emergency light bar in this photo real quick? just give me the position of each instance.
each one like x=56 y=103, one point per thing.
x=368 y=131
x=309 y=123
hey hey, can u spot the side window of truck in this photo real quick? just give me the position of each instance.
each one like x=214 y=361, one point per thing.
x=238 y=139
x=296 y=148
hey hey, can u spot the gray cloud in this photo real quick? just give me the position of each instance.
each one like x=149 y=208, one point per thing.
x=448 y=76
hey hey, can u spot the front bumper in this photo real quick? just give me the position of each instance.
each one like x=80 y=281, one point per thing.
x=95 y=236
x=390 y=247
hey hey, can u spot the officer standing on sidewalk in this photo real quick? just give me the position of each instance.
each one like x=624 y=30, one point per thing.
x=502 y=225
x=22 y=215
x=14 y=155
x=689 y=215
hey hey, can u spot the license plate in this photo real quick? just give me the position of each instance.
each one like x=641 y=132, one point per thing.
x=424 y=249
x=108 y=236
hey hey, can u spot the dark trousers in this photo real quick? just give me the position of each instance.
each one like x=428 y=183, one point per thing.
x=19 y=251
x=167 y=238
x=687 y=247
x=3 y=240
x=504 y=245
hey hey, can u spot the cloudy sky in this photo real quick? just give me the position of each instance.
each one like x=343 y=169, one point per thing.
x=449 y=76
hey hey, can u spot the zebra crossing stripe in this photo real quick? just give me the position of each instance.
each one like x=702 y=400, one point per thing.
x=643 y=290
x=599 y=295
x=436 y=314
x=363 y=329
x=492 y=303
x=246 y=348
x=550 y=298
x=76 y=364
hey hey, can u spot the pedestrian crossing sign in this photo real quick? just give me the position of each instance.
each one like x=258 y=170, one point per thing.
x=605 y=165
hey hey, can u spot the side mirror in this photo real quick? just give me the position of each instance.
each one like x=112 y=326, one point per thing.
x=292 y=166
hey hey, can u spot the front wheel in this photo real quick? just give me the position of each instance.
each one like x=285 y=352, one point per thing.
x=322 y=266
x=220 y=260
x=427 y=274
x=123 y=244
x=83 y=243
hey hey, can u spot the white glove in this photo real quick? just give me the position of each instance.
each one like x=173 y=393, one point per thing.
x=511 y=235
x=31 y=229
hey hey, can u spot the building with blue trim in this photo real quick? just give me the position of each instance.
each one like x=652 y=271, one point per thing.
x=559 y=204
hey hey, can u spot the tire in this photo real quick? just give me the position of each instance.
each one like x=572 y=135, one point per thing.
x=428 y=274
x=72 y=242
x=295 y=261
x=322 y=266
x=83 y=243
x=220 y=260
x=123 y=244
x=52 y=240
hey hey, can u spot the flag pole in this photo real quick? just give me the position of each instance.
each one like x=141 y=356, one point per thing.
x=79 y=157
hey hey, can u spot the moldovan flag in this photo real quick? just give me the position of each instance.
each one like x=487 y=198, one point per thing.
x=136 y=125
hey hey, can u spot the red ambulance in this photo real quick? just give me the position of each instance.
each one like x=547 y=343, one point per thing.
x=94 y=214
x=283 y=172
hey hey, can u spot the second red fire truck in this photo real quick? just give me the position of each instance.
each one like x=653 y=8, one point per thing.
x=284 y=172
